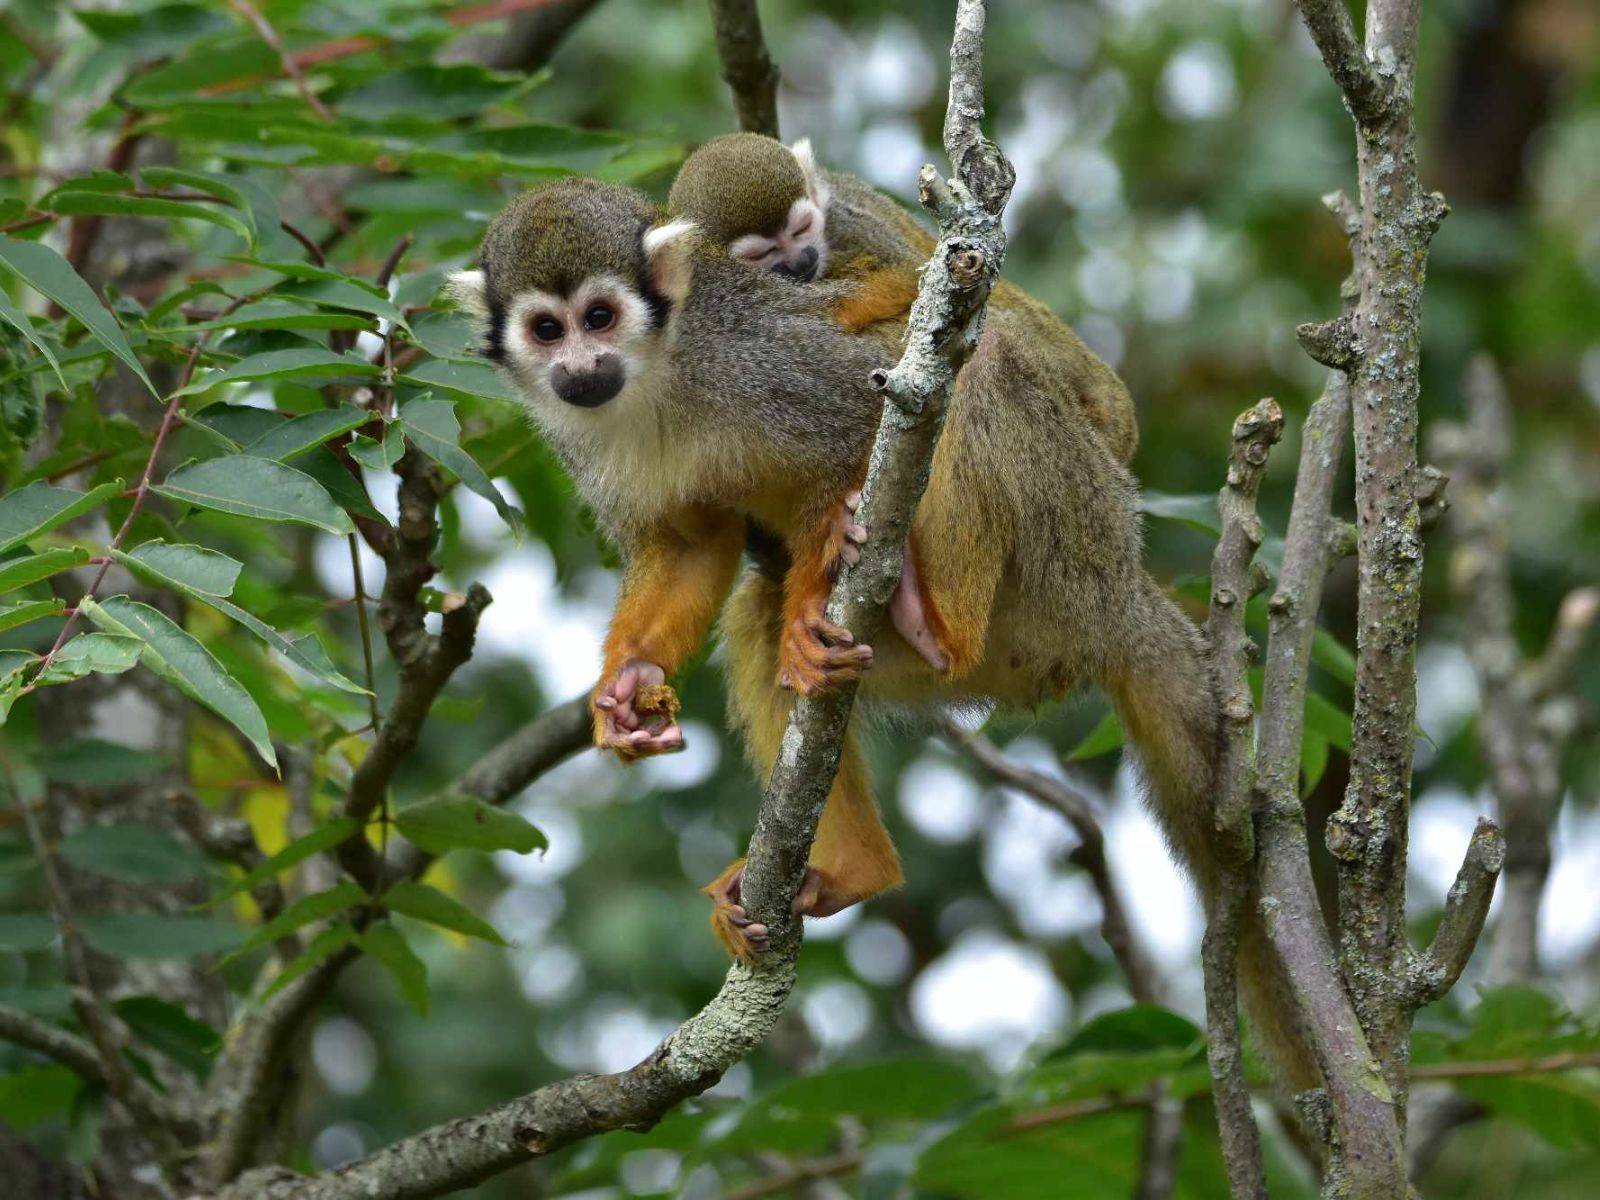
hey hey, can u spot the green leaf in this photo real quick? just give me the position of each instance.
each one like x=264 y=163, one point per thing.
x=51 y=275
x=801 y=1115
x=191 y=1044
x=177 y=657
x=182 y=566
x=152 y=32
x=437 y=93
x=389 y=946
x=450 y=821
x=223 y=186
x=14 y=615
x=132 y=851
x=302 y=433
x=335 y=937
x=1327 y=720
x=40 y=507
x=375 y=455
x=307 y=363
x=303 y=911
x=1334 y=657
x=247 y=486
x=280 y=314
x=433 y=906
x=208 y=576
x=15 y=317
x=347 y=294
x=35 y=1094
x=1197 y=512
x=90 y=762
x=154 y=935
x=1562 y=1108
x=20 y=572
x=1134 y=1030
x=1102 y=739
x=26 y=931
x=110 y=204
x=470 y=379
x=324 y=837
x=431 y=427
x=1313 y=760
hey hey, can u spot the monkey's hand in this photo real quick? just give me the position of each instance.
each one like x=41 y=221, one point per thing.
x=815 y=654
x=635 y=712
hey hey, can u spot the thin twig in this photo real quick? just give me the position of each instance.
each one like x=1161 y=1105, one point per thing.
x=291 y=68
x=366 y=632
x=1065 y=797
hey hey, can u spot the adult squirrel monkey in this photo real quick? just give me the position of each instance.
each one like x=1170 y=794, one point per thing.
x=692 y=398
x=774 y=208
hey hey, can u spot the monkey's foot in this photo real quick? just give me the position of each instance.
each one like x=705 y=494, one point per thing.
x=820 y=896
x=635 y=712
x=912 y=616
x=741 y=937
x=844 y=543
x=815 y=655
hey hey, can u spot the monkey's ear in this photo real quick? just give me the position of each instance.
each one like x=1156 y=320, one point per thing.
x=816 y=184
x=469 y=290
x=667 y=251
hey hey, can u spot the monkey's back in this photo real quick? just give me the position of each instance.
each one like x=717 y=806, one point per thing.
x=869 y=230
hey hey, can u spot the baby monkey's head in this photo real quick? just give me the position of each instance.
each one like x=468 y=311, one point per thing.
x=576 y=281
x=767 y=203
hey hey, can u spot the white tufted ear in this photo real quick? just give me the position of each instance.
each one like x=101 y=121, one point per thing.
x=816 y=184
x=467 y=289
x=667 y=251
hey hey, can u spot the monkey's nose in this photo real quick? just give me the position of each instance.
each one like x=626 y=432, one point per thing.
x=802 y=268
x=592 y=387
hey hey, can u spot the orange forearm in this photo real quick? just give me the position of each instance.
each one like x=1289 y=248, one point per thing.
x=677 y=577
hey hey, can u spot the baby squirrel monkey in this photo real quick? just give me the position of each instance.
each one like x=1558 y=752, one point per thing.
x=774 y=208
x=692 y=398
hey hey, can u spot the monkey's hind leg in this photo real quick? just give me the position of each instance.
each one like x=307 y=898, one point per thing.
x=852 y=858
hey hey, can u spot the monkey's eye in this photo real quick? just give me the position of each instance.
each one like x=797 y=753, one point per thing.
x=803 y=227
x=546 y=329
x=758 y=253
x=598 y=317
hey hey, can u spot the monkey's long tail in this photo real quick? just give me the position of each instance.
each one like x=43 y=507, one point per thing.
x=1165 y=692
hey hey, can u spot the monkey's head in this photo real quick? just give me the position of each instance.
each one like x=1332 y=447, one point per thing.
x=765 y=202
x=575 y=283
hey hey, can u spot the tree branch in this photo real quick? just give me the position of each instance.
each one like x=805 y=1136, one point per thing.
x=66 y=1048
x=1522 y=722
x=1255 y=432
x=694 y=1057
x=1065 y=797
x=747 y=68
x=1465 y=910
x=1332 y=29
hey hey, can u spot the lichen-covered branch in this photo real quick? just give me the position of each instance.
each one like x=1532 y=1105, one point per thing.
x=1368 y=834
x=1063 y=796
x=463 y=1152
x=1255 y=432
x=1526 y=710
x=1466 y=908
x=746 y=66
x=1333 y=30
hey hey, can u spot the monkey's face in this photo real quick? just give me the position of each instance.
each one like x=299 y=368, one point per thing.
x=797 y=250
x=579 y=346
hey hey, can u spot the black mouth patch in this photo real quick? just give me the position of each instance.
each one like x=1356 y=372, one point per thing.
x=591 y=388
